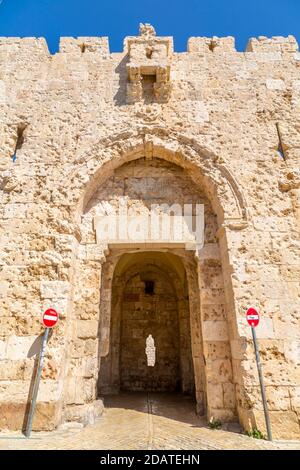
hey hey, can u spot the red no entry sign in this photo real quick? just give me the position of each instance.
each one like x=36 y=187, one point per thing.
x=50 y=318
x=252 y=316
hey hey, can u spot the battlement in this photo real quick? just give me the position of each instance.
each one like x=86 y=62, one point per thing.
x=16 y=46
x=84 y=44
x=214 y=44
x=30 y=46
x=274 y=44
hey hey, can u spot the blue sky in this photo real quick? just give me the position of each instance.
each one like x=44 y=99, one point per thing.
x=179 y=18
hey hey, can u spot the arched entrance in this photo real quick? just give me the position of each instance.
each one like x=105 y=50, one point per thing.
x=140 y=173
x=150 y=338
x=149 y=333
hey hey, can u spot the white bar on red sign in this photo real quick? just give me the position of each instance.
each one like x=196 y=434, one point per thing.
x=252 y=317
x=50 y=317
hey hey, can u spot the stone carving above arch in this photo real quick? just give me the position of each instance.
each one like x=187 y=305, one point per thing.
x=94 y=166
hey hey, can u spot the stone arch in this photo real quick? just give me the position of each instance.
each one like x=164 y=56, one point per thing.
x=177 y=273
x=94 y=165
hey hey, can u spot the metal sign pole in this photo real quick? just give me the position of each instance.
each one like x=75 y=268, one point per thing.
x=36 y=383
x=262 y=387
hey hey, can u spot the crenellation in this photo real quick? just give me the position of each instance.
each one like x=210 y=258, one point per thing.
x=82 y=44
x=132 y=44
x=215 y=44
x=274 y=44
x=17 y=47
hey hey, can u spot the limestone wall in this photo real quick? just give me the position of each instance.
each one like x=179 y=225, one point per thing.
x=232 y=119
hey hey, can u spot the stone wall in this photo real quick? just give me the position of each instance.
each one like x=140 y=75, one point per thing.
x=144 y=314
x=229 y=119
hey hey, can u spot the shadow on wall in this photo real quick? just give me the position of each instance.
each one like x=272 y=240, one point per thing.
x=120 y=96
x=34 y=351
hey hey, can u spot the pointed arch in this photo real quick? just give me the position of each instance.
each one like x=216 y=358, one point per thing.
x=97 y=163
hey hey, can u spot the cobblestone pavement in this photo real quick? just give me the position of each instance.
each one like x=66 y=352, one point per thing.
x=142 y=421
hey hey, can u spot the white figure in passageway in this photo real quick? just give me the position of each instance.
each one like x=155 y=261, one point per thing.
x=150 y=351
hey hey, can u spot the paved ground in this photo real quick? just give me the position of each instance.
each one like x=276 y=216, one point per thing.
x=142 y=421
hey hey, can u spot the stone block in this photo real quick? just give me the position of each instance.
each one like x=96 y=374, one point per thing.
x=46 y=418
x=285 y=424
x=87 y=329
x=3 y=288
x=219 y=370
x=15 y=211
x=224 y=415
x=278 y=398
x=85 y=414
x=216 y=350
x=215 y=330
x=215 y=395
x=212 y=296
x=239 y=348
x=18 y=347
x=265 y=328
x=74 y=391
x=286 y=328
x=54 y=289
x=213 y=312
x=229 y=395
x=84 y=45
x=275 y=84
x=64 y=242
x=12 y=370
x=292 y=350
x=295 y=398
x=209 y=252
x=281 y=373
x=2 y=349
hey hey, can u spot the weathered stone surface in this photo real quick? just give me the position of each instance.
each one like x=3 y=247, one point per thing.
x=275 y=84
x=229 y=395
x=284 y=424
x=18 y=347
x=54 y=289
x=85 y=414
x=87 y=329
x=13 y=416
x=295 y=398
x=127 y=424
x=215 y=330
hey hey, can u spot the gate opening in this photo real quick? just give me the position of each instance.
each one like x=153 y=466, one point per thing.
x=150 y=340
